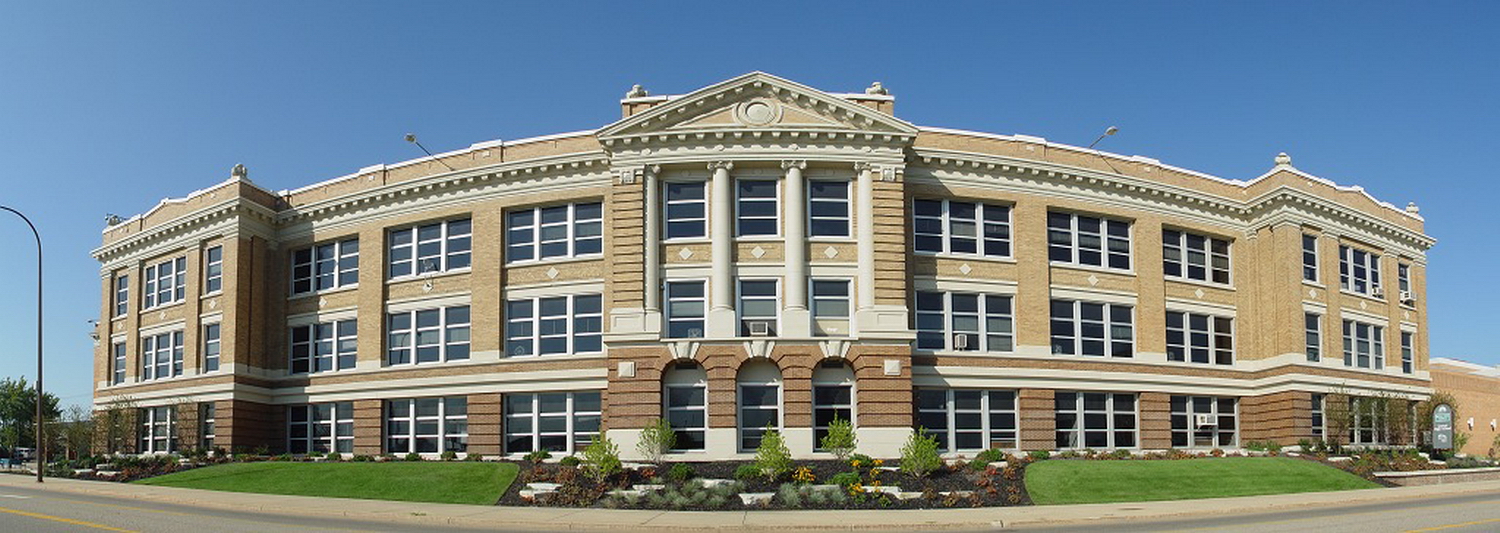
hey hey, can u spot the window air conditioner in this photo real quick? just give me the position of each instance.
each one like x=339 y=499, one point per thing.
x=1377 y=292
x=960 y=341
x=1406 y=297
x=1203 y=420
x=759 y=328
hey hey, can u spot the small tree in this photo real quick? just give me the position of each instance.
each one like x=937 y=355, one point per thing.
x=657 y=438
x=919 y=457
x=601 y=458
x=840 y=440
x=772 y=456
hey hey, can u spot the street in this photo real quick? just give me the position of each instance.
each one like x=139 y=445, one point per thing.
x=1455 y=514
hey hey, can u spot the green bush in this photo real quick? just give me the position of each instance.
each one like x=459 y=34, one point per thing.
x=657 y=438
x=448 y=455
x=334 y=456
x=919 y=456
x=363 y=459
x=413 y=456
x=1263 y=446
x=1121 y=454
x=570 y=461
x=747 y=471
x=840 y=440
x=864 y=461
x=772 y=456
x=474 y=457
x=1039 y=455
x=844 y=479
x=680 y=472
x=992 y=455
x=601 y=458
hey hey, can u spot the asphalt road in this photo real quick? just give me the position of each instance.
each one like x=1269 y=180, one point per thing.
x=24 y=510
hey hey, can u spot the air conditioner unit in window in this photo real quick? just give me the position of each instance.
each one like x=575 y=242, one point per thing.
x=758 y=328
x=1203 y=420
x=1407 y=298
x=1377 y=292
x=960 y=341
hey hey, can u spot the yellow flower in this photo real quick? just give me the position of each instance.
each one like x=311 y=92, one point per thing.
x=879 y=462
x=855 y=463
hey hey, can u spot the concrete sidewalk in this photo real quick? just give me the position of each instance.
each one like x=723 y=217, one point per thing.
x=553 y=519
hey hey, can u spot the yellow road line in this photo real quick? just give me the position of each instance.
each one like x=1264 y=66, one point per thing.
x=1374 y=512
x=65 y=520
x=1452 y=526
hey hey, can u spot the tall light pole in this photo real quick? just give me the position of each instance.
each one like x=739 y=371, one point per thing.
x=38 y=422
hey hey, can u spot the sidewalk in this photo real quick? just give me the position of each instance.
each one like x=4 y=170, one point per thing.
x=552 y=519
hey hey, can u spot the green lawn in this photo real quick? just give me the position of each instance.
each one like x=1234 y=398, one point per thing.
x=458 y=482
x=1062 y=482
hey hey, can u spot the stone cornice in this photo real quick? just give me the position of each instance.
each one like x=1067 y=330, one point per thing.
x=171 y=231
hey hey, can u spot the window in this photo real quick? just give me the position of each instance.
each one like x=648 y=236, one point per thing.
x=336 y=264
x=685 y=309
x=213 y=270
x=1318 y=430
x=1403 y=281
x=570 y=230
x=320 y=428
x=757 y=207
x=687 y=208
x=436 y=247
x=760 y=303
x=828 y=208
x=969 y=420
x=1364 y=345
x=324 y=347
x=161 y=356
x=427 y=425
x=122 y=295
x=433 y=334
x=558 y=325
x=1095 y=420
x=964 y=322
x=1204 y=422
x=118 y=372
x=166 y=282
x=1088 y=328
x=556 y=422
x=686 y=398
x=1408 y=352
x=1310 y=258
x=946 y=226
x=1314 y=326
x=158 y=430
x=1359 y=271
x=759 y=389
x=1195 y=257
x=211 y=348
x=830 y=307
x=1197 y=338
x=833 y=397
x=1086 y=240
x=206 y=425
x=1368 y=425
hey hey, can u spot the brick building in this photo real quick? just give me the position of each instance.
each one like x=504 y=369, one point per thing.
x=755 y=253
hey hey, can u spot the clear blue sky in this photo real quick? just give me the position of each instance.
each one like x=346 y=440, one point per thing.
x=111 y=106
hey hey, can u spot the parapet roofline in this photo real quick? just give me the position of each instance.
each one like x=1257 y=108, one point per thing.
x=1473 y=368
x=1143 y=159
x=183 y=199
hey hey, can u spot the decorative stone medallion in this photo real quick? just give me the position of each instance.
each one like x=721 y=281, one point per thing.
x=758 y=112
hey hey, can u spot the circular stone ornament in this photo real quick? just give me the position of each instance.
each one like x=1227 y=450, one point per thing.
x=758 y=112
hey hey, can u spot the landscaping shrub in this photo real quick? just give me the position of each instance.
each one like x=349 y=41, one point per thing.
x=772 y=456
x=1469 y=462
x=570 y=461
x=449 y=455
x=803 y=475
x=363 y=459
x=747 y=472
x=840 y=440
x=680 y=472
x=796 y=496
x=845 y=479
x=1039 y=455
x=474 y=457
x=657 y=438
x=538 y=456
x=413 y=456
x=992 y=455
x=919 y=456
x=601 y=458
x=857 y=460
x=1121 y=454
x=1263 y=446
x=691 y=496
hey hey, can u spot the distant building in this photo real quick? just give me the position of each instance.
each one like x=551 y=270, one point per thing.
x=754 y=254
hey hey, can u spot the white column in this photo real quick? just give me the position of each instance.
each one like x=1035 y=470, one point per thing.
x=796 y=320
x=652 y=243
x=721 y=318
x=864 y=223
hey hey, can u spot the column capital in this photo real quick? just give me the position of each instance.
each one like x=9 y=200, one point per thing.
x=799 y=164
x=863 y=166
x=721 y=165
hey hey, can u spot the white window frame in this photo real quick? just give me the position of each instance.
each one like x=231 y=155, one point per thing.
x=213 y=270
x=740 y=300
x=1191 y=433
x=739 y=203
x=212 y=346
x=1408 y=351
x=1366 y=417
x=572 y=434
x=1208 y=257
x=339 y=427
x=122 y=295
x=578 y=230
x=1403 y=279
x=573 y=320
x=1370 y=346
x=701 y=319
x=668 y=202
x=1215 y=329
x=1310 y=268
x=1077 y=434
x=846 y=228
x=455 y=249
x=1076 y=340
x=1353 y=261
x=207 y=425
x=120 y=356
x=1075 y=248
x=1318 y=414
x=445 y=330
x=165 y=283
x=989 y=434
x=341 y=268
x=342 y=347
x=822 y=306
x=984 y=338
x=701 y=388
x=450 y=422
x=158 y=430
x=741 y=407
x=981 y=224
x=1313 y=329
x=161 y=353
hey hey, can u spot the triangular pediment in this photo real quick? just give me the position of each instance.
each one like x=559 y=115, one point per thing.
x=757 y=101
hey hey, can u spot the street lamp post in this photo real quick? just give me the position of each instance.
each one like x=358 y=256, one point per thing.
x=38 y=423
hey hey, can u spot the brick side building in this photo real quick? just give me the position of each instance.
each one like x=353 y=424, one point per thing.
x=759 y=253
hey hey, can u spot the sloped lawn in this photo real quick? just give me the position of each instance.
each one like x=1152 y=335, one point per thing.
x=1078 y=481
x=458 y=482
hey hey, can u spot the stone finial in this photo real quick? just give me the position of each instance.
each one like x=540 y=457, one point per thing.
x=1411 y=207
x=877 y=88
x=239 y=172
x=636 y=91
x=1283 y=160
x=112 y=219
